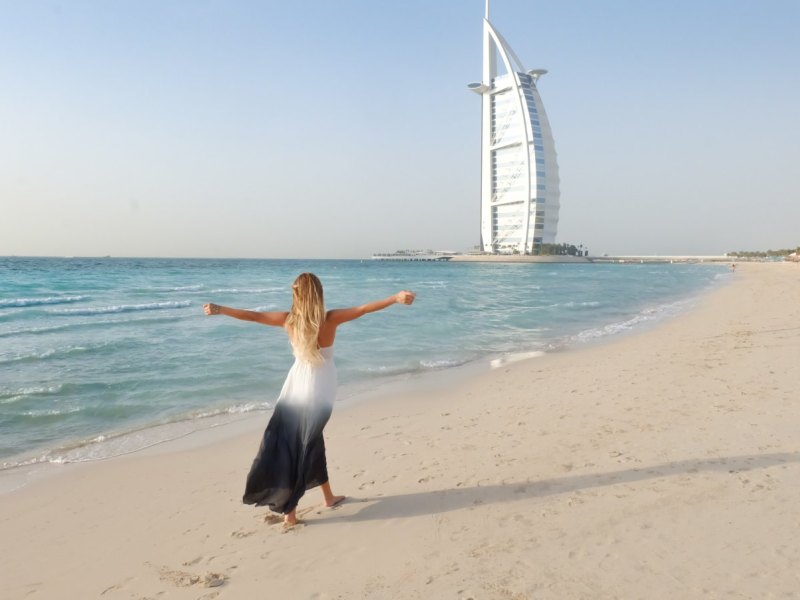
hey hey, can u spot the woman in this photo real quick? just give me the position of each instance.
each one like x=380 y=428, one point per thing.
x=291 y=458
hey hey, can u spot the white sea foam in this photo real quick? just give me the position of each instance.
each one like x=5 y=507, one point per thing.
x=247 y=290
x=123 y=442
x=50 y=352
x=119 y=308
x=25 y=302
x=238 y=409
x=11 y=395
x=179 y=288
x=52 y=412
x=21 y=356
x=32 y=330
x=382 y=369
x=94 y=323
x=647 y=315
x=496 y=363
x=591 y=303
x=440 y=364
x=265 y=308
x=431 y=284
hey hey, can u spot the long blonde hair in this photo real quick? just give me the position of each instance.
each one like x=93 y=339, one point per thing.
x=306 y=317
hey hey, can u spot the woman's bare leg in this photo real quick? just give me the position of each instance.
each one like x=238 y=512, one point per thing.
x=330 y=499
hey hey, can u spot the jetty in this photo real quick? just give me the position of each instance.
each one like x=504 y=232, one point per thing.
x=415 y=255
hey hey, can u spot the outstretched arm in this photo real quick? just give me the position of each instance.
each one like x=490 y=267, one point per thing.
x=343 y=315
x=276 y=319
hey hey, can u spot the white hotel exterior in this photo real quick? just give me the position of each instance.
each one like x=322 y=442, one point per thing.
x=519 y=173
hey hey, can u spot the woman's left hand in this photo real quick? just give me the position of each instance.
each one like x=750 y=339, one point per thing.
x=405 y=297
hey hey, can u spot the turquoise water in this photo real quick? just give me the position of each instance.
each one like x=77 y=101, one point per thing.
x=90 y=348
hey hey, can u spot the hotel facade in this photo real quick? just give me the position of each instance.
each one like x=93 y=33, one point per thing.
x=519 y=172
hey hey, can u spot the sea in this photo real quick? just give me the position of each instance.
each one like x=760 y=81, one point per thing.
x=106 y=356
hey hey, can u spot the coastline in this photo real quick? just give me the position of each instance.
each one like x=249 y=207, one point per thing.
x=107 y=444
x=585 y=472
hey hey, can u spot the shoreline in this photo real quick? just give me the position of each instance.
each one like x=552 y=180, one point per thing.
x=15 y=470
x=661 y=464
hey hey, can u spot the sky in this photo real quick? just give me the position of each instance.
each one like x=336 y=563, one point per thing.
x=319 y=129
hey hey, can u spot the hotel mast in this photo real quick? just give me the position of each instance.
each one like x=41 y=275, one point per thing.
x=519 y=173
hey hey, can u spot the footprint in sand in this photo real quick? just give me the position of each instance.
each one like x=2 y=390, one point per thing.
x=116 y=586
x=294 y=528
x=273 y=518
x=239 y=533
x=186 y=579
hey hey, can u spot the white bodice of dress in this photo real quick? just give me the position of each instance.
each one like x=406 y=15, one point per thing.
x=309 y=384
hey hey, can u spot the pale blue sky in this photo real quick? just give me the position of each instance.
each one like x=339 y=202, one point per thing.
x=335 y=129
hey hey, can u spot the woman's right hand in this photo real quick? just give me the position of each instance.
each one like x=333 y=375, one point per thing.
x=211 y=309
x=405 y=297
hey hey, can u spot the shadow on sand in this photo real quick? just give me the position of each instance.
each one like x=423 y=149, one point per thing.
x=429 y=503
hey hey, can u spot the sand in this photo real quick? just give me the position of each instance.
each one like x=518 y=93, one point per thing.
x=663 y=464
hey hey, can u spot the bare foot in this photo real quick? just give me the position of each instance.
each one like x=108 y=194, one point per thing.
x=333 y=501
x=327 y=494
x=290 y=518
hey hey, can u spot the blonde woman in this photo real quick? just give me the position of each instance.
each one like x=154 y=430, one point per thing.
x=291 y=458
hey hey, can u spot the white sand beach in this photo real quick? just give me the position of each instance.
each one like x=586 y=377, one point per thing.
x=663 y=464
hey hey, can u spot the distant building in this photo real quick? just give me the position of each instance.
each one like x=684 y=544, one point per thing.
x=519 y=172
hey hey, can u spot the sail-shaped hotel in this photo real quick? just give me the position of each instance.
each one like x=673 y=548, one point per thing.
x=519 y=173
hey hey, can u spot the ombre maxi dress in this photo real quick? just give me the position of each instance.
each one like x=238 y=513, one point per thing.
x=291 y=458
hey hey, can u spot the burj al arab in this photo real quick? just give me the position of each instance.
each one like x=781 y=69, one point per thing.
x=519 y=171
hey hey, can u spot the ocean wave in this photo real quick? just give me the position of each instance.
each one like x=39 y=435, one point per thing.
x=126 y=441
x=431 y=284
x=32 y=330
x=266 y=308
x=9 y=395
x=387 y=370
x=51 y=412
x=94 y=324
x=570 y=304
x=237 y=409
x=25 y=302
x=496 y=363
x=440 y=364
x=201 y=289
x=178 y=288
x=34 y=355
x=119 y=308
x=421 y=366
x=247 y=290
x=591 y=303
x=44 y=354
x=645 y=316
x=613 y=328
